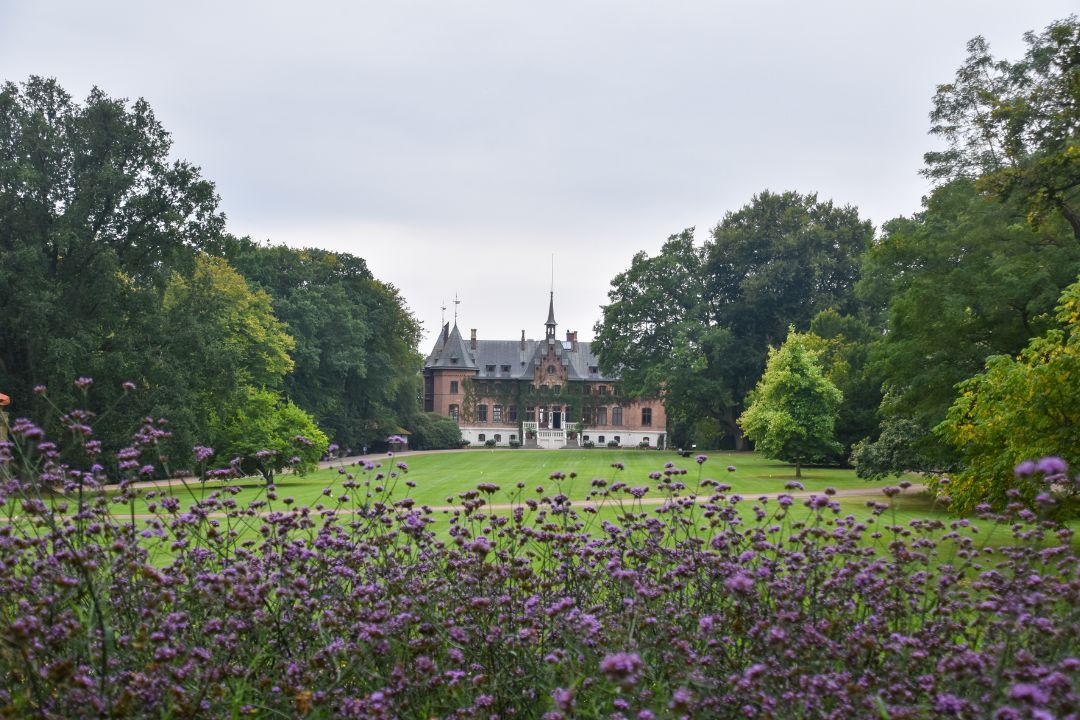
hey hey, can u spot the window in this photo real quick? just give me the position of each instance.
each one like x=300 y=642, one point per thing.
x=618 y=439
x=481 y=437
x=585 y=438
x=496 y=415
x=498 y=438
x=644 y=440
x=454 y=412
x=594 y=369
x=585 y=389
x=568 y=414
x=530 y=414
x=602 y=389
x=601 y=416
x=616 y=416
x=551 y=369
x=490 y=368
x=600 y=439
x=506 y=368
x=646 y=416
x=453 y=387
x=513 y=438
x=556 y=389
x=511 y=413
x=481 y=413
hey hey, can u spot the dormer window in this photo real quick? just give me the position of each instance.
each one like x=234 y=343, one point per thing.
x=594 y=369
x=506 y=368
x=490 y=368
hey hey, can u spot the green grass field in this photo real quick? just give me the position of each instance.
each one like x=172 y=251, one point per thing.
x=440 y=477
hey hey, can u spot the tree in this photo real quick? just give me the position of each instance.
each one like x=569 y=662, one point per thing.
x=697 y=323
x=793 y=409
x=269 y=434
x=1014 y=126
x=356 y=363
x=94 y=219
x=1021 y=407
x=843 y=344
x=964 y=279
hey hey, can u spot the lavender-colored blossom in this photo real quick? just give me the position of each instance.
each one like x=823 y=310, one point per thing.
x=1051 y=466
x=83 y=382
x=202 y=453
x=701 y=459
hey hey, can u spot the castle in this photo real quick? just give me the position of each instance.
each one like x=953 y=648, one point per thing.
x=546 y=393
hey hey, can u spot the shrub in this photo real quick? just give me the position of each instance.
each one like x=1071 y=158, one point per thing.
x=588 y=444
x=612 y=444
x=490 y=442
x=431 y=431
x=363 y=609
x=515 y=444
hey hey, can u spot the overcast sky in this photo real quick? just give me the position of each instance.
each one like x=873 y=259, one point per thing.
x=458 y=145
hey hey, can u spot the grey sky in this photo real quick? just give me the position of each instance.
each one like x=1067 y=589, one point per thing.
x=457 y=145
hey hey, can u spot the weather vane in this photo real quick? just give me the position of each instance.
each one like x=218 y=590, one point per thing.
x=456 y=303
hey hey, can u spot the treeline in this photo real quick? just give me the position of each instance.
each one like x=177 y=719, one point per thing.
x=950 y=334
x=116 y=265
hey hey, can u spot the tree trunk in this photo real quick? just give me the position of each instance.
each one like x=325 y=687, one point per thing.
x=798 y=469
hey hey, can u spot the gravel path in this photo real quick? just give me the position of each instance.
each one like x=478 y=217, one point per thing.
x=868 y=493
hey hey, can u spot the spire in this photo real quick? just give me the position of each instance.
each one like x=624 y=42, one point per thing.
x=551 y=316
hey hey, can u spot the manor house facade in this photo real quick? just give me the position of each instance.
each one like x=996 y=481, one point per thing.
x=546 y=393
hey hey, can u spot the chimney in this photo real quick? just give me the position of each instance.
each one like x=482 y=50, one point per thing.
x=472 y=342
x=522 y=339
x=571 y=337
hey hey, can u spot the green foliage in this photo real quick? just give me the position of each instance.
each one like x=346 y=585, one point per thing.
x=1019 y=408
x=696 y=322
x=792 y=411
x=1013 y=125
x=431 y=431
x=269 y=434
x=218 y=339
x=964 y=279
x=843 y=344
x=94 y=219
x=356 y=363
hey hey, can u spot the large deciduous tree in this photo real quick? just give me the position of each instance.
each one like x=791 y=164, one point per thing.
x=965 y=279
x=696 y=322
x=792 y=411
x=356 y=362
x=1021 y=407
x=94 y=218
x=1015 y=126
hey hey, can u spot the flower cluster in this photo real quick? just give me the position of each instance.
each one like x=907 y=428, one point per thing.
x=367 y=605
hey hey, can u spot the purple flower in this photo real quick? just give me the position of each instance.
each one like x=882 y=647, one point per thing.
x=1024 y=469
x=700 y=459
x=1051 y=466
x=395 y=439
x=202 y=452
x=39 y=389
x=84 y=382
x=622 y=668
x=128 y=386
x=739 y=583
x=731 y=468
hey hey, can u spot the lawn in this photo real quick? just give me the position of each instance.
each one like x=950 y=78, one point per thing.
x=440 y=477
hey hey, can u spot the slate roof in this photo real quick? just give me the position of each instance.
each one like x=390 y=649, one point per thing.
x=519 y=357
x=450 y=351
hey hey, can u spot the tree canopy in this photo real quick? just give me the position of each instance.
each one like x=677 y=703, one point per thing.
x=792 y=412
x=118 y=262
x=1015 y=126
x=696 y=322
x=1021 y=407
